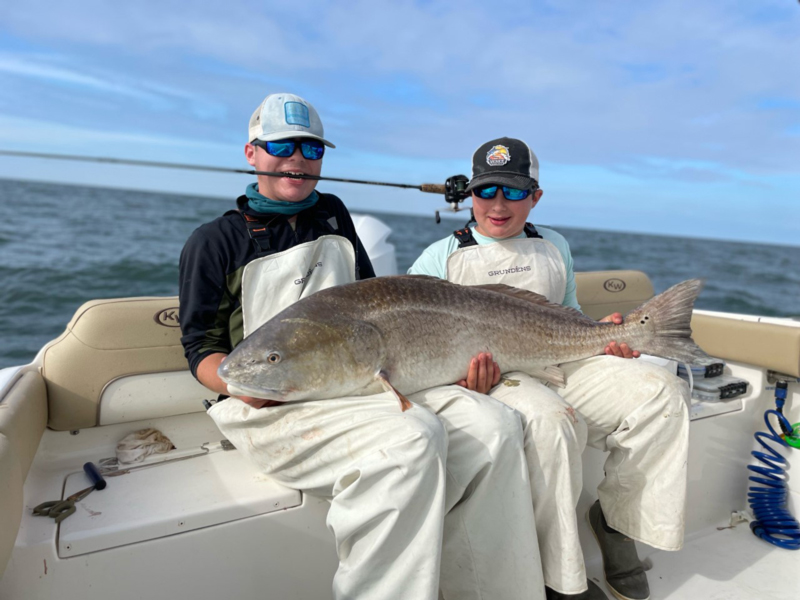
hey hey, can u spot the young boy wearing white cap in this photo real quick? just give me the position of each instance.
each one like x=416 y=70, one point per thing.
x=421 y=501
x=627 y=408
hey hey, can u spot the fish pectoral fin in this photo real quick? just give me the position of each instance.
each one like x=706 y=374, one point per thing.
x=551 y=374
x=405 y=403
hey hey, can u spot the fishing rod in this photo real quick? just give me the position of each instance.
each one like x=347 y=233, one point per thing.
x=432 y=188
x=453 y=189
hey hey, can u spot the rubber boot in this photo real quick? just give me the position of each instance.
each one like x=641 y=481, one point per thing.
x=624 y=571
x=593 y=593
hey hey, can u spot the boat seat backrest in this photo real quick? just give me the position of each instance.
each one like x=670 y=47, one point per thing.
x=601 y=293
x=105 y=342
x=23 y=417
x=767 y=345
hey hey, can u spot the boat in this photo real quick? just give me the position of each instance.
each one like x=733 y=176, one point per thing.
x=200 y=522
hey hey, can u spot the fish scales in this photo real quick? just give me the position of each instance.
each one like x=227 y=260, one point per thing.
x=436 y=329
x=414 y=332
x=417 y=315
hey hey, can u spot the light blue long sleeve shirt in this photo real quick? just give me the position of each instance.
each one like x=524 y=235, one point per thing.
x=433 y=260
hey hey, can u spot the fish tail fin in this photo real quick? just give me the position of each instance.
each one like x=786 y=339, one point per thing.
x=670 y=314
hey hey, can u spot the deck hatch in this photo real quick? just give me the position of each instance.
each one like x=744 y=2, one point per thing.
x=168 y=499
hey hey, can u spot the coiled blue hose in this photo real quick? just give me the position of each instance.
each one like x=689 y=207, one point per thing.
x=773 y=522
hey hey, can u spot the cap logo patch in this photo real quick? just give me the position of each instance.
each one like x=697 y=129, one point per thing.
x=498 y=156
x=296 y=114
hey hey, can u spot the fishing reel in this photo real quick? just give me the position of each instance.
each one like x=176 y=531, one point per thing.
x=454 y=193
x=455 y=190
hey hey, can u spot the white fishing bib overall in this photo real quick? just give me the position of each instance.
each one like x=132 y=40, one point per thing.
x=272 y=283
x=529 y=263
x=421 y=501
x=630 y=407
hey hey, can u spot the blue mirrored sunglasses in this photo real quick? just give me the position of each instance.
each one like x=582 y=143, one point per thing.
x=309 y=148
x=490 y=191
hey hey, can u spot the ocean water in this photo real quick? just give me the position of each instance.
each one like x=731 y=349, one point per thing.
x=61 y=246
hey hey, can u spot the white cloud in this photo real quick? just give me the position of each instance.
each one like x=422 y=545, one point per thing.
x=12 y=65
x=698 y=93
x=26 y=135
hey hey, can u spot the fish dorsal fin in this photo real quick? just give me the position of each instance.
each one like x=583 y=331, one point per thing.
x=531 y=297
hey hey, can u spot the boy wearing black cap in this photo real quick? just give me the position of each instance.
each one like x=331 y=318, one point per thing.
x=615 y=405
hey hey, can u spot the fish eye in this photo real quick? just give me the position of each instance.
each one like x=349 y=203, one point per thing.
x=274 y=358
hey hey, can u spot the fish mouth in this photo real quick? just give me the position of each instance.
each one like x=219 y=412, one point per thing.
x=238 y=389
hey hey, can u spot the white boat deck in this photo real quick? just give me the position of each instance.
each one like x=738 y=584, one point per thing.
x=719 y=564
x=718 y=561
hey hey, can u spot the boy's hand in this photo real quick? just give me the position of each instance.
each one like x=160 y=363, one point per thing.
x=483 y=374
x=614 y=349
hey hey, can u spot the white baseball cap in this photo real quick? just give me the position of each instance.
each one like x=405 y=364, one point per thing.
x=282 y=116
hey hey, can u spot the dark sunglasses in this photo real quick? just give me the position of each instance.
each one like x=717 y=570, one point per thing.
x=309 y=148
x=488 y=192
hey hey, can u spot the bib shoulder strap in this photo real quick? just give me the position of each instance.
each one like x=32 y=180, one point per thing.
x=530 y=231
x=326 y=221
x=464 y=237
x=259 y=233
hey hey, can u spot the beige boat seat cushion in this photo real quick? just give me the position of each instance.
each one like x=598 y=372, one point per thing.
x=767 y=345
x=23 y=416
x=105 y=341
x=601 y=293
x=10 y=500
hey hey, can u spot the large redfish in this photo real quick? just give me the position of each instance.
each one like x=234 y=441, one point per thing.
x=412 y=332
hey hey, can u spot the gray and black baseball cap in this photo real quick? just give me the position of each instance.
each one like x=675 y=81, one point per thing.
x=282 y=116
x=504 y=161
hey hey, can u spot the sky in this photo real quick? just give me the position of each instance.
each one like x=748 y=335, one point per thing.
x=672 y=117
